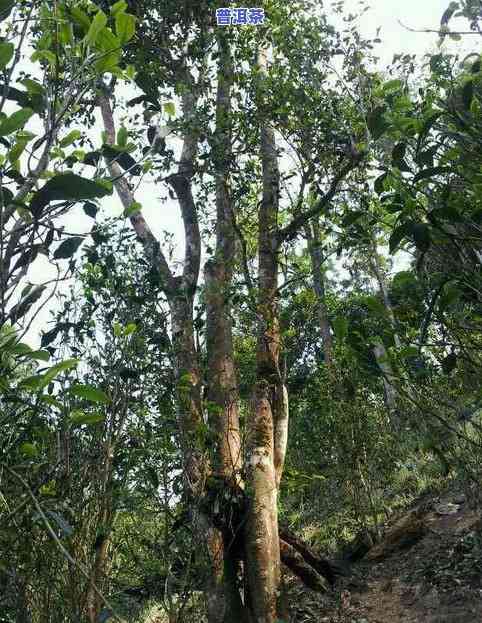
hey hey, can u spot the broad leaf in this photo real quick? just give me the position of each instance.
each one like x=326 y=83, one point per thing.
x=399 y=233
x=432 y=172
x=134 y=208
x=125 y=27
x=468 y=94
x=29 y=450
x=421 y=236
x=122 y=136
x=376 y=122
x=68 y=248
x=118 y=7
x=15 y=121
x=54 y=371
x=90 y=209
x=6 y=7
x=170 y=109
x=70 y=138
x=78 y=418
x=89 y=393
x=98 y=24
x=7 y=51
x=50 y=336
x=68 y=187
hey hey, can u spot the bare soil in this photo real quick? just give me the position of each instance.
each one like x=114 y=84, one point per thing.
x=438 y=579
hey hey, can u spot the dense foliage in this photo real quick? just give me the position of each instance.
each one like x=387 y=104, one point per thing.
x=337 y=210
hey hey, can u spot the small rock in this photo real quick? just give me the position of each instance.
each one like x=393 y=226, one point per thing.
x=460 y=499
x=447 y=509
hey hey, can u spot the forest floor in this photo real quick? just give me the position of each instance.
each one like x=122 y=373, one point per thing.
x=438 y=579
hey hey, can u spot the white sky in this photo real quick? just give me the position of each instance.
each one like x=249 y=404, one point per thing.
x=385 y=14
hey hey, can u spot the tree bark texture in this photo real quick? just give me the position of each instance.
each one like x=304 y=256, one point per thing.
x=180 y=291
x=316 y=256
x=267 y=418
x=222 y=396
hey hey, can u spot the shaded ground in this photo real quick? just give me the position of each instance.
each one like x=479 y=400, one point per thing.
x=436 y=580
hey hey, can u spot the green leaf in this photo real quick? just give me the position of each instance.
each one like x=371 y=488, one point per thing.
x=90 y=209
x=68 y=187
x=15 y=121
x=6 y=7
x=122 y=136
x=431 y=172
x=16 y=151
x=79 y=418
x=398 y=234
x=125 y=27
x=376 y=122
x=379 y=185
x=87 y=392
x=44 y=55
x=40 y=355
x=49 y=336
x=134 y=208
x=476 y=67
x=29 y=450
x=52 y=402
x=427 y=126
x=118 y=7
x=7 y=50
x=21 y=349
x=54 y=371
x=398 y=157
x=33 y=87
x=130 y=329
x=340 y=327
x=81 y=18
x=392 y=86
x=130 y=72
x=351 y=218
x=125 y=160
x=110 y=46
x=170 y=109
x=421 y=236
x=468 y=94
x=68 y=248
x=39 y=381
x=98 y=24
x=70 y=138
x=408 y=351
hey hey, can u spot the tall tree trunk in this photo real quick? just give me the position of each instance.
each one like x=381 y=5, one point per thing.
x=383 y=362
x=223 y=399
x=180 y=292
x=267 y=421
x=382 y=284
x=379 y=350
x=312 y=231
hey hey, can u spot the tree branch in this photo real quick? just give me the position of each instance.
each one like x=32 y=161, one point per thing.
x=150 y=243
x=291 y=230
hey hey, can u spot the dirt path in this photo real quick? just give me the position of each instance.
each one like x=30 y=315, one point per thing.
x=437 y=580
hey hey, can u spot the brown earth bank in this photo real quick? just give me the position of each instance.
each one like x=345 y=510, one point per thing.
x=427 y=567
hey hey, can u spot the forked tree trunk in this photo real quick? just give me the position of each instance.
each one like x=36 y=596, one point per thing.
x=268 y=417
x=223 y=400
x=180 y=293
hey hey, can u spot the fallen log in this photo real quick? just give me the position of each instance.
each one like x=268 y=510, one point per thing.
x=328 y=569
x=304 y=571
x=402 y=535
